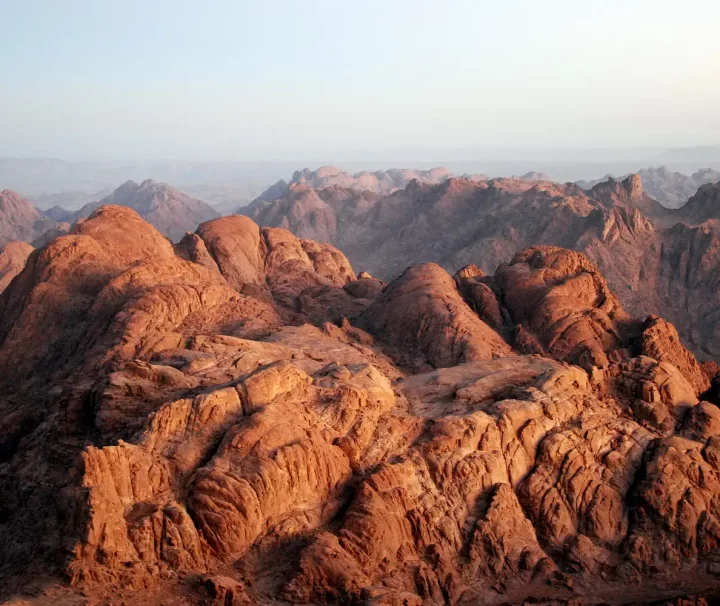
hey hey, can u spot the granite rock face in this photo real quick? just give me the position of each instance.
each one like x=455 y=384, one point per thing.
x=240 y=419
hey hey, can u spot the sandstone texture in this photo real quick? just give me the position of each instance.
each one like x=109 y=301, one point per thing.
x=12 y=261
x=239 y=418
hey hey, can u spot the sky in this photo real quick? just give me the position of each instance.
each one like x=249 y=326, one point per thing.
x=283 y=79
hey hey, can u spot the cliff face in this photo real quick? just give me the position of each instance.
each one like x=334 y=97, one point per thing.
x=240 y=419
x=12 y=260
x=659 y=261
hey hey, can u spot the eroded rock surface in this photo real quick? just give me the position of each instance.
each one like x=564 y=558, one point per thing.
x=240 y=419
x=12 y=261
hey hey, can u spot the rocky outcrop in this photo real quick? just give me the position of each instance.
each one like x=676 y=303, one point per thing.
x=240 y=418
x=629 y=193
x=422 y=317
x=703 y=206
x=560 y=298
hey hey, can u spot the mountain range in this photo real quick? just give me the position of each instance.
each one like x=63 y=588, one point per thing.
x=174 y=213
x=658 y=260
x=672 y=189
x=240 y=419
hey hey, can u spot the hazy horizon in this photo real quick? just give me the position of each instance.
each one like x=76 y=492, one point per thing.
x=280 y=80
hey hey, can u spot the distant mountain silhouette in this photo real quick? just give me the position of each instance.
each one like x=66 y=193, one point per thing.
x=19 y=219
x=172 y=212
x=672 y=189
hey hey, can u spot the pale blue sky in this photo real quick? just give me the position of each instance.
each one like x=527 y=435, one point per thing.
x=272 y=79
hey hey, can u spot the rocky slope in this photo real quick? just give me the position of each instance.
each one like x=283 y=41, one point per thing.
x=19 y=219
x=239 y=419
x=12 y=261
x=658 y=260
x=172 y=212
x=671 y=189
x=703 y=206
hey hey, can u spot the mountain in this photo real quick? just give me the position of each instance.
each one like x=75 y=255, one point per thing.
x=534 y=176
x=239 y=419
x=59 y=214
x=172 y=212
x=703 y=206
x=381 y=182
x=275 y=191
x=12 y=261
x=658 y=260
x=672 y=189
x=19 y=219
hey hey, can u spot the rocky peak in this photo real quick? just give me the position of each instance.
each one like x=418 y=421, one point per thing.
x=703 y=206
x=173 y=212
x=19 y=219
x=628 y=191
x=633 y=186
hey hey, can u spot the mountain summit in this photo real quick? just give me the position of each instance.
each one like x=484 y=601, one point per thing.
x=171 y=211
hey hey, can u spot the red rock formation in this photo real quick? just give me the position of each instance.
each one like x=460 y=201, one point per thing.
x=560 y=298
x=422 y=317
x=204 y=423
x=12 y=260
x=658 y=261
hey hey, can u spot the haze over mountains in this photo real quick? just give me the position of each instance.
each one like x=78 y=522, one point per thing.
x=172 y=212
x=49 y=181
x=19 y=220
x=672 y=189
